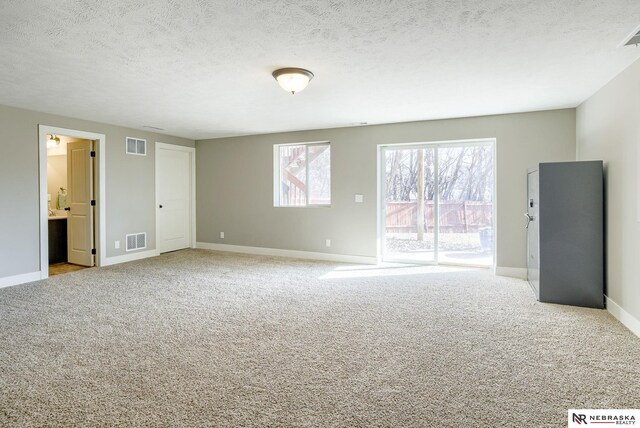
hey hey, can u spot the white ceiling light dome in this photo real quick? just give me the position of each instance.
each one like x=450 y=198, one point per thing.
x=293 y=79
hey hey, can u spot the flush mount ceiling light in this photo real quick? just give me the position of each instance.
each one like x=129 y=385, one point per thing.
x=292 y=79
x=52 y=140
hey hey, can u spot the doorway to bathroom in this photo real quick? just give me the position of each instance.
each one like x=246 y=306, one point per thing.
x=70 y=167
x=71 y=206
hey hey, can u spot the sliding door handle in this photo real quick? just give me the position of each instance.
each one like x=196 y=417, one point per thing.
x=530 y=218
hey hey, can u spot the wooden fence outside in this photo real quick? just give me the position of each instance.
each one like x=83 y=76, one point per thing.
x=455 y=216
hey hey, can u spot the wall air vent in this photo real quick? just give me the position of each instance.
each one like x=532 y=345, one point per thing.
x=136 y=241
x=632 y=39
x=136 y=146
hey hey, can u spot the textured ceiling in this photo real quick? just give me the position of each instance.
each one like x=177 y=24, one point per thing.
x=201 y=68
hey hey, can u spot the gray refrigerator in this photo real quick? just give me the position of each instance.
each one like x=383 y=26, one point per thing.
x=565 y=233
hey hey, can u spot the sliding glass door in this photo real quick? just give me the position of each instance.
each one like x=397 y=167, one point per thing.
x=437 y=203
x=409 y=204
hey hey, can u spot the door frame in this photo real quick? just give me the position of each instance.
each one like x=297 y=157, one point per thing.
x=534 y=287
x=99 y=184
x=380 y=232
x=192 y=190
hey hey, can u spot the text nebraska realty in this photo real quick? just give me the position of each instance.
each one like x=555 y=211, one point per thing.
x=603 y=419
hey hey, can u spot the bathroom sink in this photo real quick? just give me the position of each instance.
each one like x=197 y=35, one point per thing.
x=58 y=215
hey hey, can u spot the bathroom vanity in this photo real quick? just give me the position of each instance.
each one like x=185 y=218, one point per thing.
x=57 y=239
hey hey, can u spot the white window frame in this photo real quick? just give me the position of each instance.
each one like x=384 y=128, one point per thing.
x=277 y=179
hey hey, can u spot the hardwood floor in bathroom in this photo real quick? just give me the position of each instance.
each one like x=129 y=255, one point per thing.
x=60 y=268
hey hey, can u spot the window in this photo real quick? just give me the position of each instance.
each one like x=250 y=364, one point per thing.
x=302 y=174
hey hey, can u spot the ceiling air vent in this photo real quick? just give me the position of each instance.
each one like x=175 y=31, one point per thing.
x=632 y=39
x=136 y=241
x=136 y=146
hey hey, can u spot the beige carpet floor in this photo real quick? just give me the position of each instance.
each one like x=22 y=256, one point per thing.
x=200 y=338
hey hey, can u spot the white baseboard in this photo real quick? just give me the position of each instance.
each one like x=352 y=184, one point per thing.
x=628 y=320
x=309 y=255
x=130 y=257
x=8 y=281
x=520 y=273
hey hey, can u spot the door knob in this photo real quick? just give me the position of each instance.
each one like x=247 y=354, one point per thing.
x=67 y=209
x=160 y=206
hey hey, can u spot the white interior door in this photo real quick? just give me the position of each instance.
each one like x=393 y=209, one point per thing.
x=79 y=197
x=174 y=190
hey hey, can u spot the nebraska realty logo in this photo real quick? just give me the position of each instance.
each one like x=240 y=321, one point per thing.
x=603 y=417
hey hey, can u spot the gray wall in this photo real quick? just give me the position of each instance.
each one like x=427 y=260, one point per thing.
x=130 y=185
x=608 y=128
x=235 y=182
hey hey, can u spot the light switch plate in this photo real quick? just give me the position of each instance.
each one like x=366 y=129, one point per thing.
x=359 y=198
x=221 y=235
x=117 y=244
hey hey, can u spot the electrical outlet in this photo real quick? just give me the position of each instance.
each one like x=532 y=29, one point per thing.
x=221 y=235
x=359 y=198
x=117 y=244
x=327 y=242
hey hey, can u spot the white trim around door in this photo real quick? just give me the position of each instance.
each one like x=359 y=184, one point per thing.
x=100 y=196
x=192 y=190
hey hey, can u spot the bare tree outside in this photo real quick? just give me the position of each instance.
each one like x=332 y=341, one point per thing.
x=465 y=188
